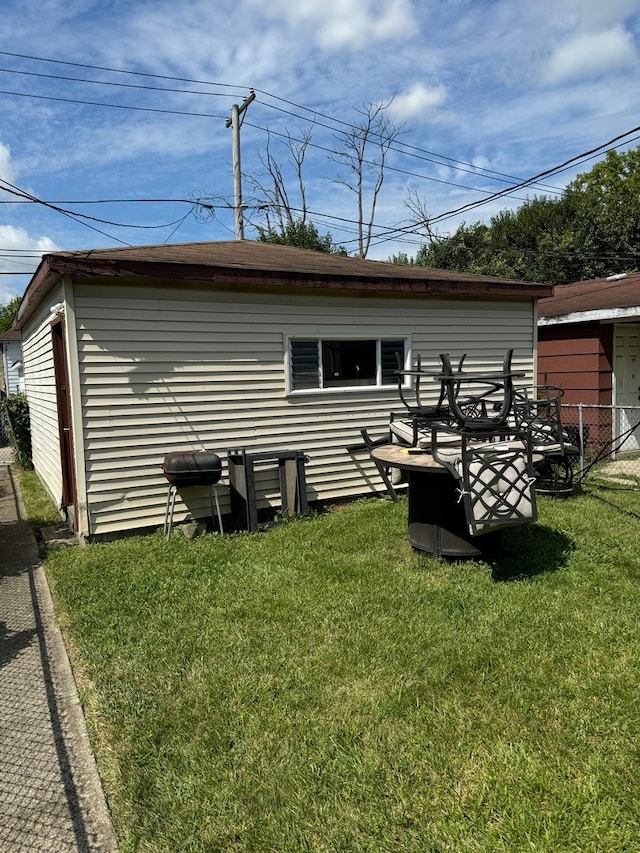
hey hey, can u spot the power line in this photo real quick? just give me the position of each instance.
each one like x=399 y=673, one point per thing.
x=158 y=110
x=117 y=201
x=421 y=153
x=119 y=70
x=81 y=102
x=112 y=83
x=13 y=190
x=162 y=111
x=508 y=191
x=554 y=170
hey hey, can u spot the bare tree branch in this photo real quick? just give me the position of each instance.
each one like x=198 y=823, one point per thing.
x=375 y=133
x=419 y=218
x=280 y=210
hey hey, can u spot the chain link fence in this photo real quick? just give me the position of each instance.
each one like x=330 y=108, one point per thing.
x=606 y=443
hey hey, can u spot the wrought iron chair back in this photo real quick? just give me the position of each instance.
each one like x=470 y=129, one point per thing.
x=413 y=425
x=495 y=476
x=538 y=411
x=476 y=401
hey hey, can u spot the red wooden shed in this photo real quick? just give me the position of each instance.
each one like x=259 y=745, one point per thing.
x=589 y=345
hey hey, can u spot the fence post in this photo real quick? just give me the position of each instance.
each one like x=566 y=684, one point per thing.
x=581 y=435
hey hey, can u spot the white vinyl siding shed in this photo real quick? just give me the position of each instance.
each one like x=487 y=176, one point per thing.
x=41 y=395
x=161 y=366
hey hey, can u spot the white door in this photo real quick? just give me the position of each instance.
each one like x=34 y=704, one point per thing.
x=627 y=385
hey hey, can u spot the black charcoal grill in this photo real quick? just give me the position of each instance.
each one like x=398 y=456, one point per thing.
x=191 y=468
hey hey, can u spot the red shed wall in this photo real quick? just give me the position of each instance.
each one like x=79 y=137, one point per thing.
x=579 y=359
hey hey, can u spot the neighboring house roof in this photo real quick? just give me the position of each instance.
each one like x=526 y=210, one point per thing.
x=10 y=335
x=597 y=299
x=247 y=262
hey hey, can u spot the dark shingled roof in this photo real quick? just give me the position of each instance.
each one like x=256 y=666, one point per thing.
x=591 y=296
x=255 y=264
x=269 y=257
x=11 y=334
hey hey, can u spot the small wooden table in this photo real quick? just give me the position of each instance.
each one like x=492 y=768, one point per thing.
x=437 y=523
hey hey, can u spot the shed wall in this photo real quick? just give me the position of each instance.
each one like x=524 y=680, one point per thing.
x=174 y=369
x=41 y=395
x=578 y=358
x=13 y=382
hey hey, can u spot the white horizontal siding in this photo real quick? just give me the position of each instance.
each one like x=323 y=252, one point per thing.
x=12 y=378
x=167 y=369
x=41 y=395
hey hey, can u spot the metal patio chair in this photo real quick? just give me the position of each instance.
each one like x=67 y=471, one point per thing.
x=412 y=426
x=478 y=402
x=537 y=411
x=495 y=476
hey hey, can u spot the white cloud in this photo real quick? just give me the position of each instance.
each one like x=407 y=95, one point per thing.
x=596 y=15
x=590 y=53
x=21 y=253
x=481 y=162
x=418 y=102
x=338 y=24
x=7 y=169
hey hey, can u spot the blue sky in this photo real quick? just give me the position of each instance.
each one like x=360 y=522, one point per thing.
x=487 y=92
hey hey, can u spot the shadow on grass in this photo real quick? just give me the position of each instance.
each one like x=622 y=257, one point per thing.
x=530 y=550
x=595 y=493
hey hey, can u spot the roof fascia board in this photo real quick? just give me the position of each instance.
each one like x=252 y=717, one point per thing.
x=55 y=266
x=591 y=316
x=285 y=277
x=43 y=281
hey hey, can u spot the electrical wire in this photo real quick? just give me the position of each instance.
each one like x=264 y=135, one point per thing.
x=440 y=217
x=342 y=126
x=162 y=111
x=80 y=102
x=113 y=83
x=553 y=170
x=10 y=188
x=421 y=154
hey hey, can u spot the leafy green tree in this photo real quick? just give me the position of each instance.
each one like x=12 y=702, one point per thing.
x=7 y=313
x=302 y=234
x=465 y=250
x=14 y=412
x=606 y=201
x=402 y=258
x=592 y=230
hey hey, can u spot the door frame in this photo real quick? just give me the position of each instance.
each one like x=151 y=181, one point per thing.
x=68 y=501
x=621 y=421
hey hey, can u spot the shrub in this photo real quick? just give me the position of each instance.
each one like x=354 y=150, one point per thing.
x=15 y=416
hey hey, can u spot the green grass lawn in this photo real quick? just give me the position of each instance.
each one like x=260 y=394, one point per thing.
x=322 y=687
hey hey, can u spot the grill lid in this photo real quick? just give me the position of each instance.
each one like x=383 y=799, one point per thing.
x=192 y=468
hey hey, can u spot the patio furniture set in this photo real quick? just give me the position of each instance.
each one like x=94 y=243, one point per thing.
x=475 y=459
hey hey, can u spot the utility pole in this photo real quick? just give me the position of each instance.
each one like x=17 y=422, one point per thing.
x=234 y=124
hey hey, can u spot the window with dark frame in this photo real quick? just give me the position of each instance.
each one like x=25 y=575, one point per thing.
x=344 y=363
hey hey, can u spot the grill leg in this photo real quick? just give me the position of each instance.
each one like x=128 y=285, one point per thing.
x=214 y=496
x=168 y=516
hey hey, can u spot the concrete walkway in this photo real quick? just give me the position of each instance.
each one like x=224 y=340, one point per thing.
x=51 y=798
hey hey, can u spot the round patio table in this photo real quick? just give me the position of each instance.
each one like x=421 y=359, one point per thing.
x=436 y=524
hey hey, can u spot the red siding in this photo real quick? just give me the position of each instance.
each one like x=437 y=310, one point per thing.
x=577 y=358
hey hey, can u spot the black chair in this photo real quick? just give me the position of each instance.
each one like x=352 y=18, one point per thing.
x=495 y=475
x=368 y=443
x=537 y=411
x=412 y=426
x=479 y=402
x=484 y=449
